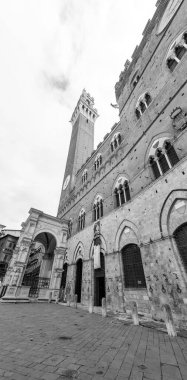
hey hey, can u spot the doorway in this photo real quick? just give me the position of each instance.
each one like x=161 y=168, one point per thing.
x=132 y=267
x=99 y=282
x=78 y=281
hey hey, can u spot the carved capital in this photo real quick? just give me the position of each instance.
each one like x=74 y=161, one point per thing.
x=60 y=252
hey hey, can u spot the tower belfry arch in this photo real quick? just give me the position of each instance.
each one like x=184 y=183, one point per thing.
x=36 y=266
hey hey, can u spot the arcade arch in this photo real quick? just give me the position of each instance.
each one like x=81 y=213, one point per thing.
x=39 y=264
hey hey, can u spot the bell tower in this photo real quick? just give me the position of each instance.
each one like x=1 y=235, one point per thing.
x=81 y=143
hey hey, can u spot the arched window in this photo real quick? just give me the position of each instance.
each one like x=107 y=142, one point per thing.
x=116 y=141
x=142 y=104
x=162 y=157
x=98 y=208
x=70 y=225
x=121 y=192
x=81 y=220
x=84 y=176
x=98 y=161
x=176 y=51
x=180 y=236
x=132 y=267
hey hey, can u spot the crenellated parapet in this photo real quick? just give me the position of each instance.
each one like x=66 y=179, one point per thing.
x=130 y=65
x=85 y=106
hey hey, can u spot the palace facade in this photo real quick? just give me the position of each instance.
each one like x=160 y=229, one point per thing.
x=121 y=228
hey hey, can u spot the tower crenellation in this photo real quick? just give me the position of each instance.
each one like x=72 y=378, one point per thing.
x=85 y=106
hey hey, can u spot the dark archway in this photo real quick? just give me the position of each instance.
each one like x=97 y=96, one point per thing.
x=180 y=236
x=99 y=282
x=39 y=265
x=78 y=280
x=132 y=267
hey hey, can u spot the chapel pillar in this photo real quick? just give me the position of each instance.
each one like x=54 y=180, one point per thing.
x=15 y=272
x=56 y=274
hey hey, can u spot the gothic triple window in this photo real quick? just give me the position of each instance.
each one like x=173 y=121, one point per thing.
x=81 y=220
x=84 y=176
x=116 y=141
x=98 y=208
x=98 y=161
x=121 y=192
x=142 y=104
x=176 y=51
x=162 y=157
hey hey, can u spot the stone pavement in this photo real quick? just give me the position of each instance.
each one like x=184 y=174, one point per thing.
x=53 y=342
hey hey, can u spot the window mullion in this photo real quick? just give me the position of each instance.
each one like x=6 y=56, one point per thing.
x=167 y=159
x=119 y=193
x=158 y=164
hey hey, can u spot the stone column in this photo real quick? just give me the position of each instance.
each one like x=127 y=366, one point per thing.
x=15 y=273
x=56 y=274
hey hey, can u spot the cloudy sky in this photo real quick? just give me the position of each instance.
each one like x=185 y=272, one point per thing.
x=49 y=51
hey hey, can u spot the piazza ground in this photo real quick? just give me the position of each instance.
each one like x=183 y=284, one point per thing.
x=51 y=342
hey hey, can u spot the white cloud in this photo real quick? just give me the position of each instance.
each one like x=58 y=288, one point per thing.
x=51 y=50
